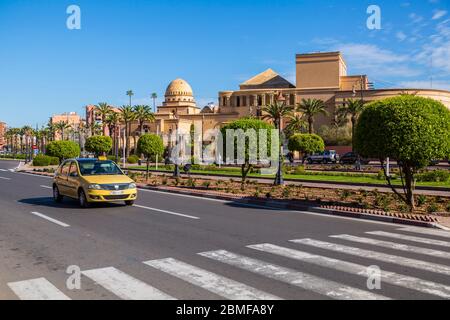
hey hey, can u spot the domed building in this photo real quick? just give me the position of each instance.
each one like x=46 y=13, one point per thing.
x=179 y=98
x=179 y=111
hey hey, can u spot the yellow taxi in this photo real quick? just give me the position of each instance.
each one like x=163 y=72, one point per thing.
x=93 y=180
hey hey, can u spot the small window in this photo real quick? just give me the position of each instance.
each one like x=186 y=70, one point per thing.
x=73 y=168
x=65 y=168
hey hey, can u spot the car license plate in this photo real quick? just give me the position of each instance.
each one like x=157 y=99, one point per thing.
x=116 y=193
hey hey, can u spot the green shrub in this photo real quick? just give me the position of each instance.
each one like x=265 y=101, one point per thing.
x=306 y=143
x=41 y=160
x=113 y=158
x=300 y=170
x=434 y=176
x=63 y=149
x=421 y=200
x=432 y=208
x=98 y=145
x=133 y=159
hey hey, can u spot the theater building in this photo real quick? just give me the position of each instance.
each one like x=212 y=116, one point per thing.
x=318 y=76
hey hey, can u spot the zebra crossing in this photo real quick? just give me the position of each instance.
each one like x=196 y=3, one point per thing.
x=302 y=251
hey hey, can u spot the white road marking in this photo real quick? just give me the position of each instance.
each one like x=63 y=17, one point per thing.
x=166 y=211
x=184 y=195
x=37 y=289
x=4 y=178
x=34 y=175
x=305 y=281
x=406 y=262
x=410 y=238
x=4 y=170
x=431 y=232
x=43 y=216
x=125 y=286
x=266 y=207
x=401 y=280
x=47 y=187
x=212 y=282
x=394 y=245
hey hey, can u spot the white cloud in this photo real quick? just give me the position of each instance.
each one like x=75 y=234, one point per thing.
x=415 y=18
x=423 y=84
x=401 y=36
x=439 y=14
x=374 y=61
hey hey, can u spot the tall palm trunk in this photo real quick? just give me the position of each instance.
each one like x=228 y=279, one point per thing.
x=310 y=124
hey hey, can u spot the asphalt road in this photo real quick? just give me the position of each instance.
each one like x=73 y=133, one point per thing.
x=172 y=246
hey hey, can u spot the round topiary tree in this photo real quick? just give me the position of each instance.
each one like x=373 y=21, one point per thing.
x=306 y=143
x=409 y=129
x=63 y=149
x=247 y=126
x=99 y=145
x=151 y=146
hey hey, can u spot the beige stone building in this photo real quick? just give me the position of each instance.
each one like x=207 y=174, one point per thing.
x=71 y=118
x=3 y=128
x=318 y=75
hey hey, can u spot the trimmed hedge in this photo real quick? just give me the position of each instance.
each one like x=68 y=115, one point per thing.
x=133 y=159
x=42 y=160
x=434 y=176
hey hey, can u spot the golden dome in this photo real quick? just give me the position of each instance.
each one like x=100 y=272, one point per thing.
x=179 y=87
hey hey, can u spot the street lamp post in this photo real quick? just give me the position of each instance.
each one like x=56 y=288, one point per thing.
x=279 y=177
x=176 y=172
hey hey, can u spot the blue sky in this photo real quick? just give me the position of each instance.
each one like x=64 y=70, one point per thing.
x=143 y=45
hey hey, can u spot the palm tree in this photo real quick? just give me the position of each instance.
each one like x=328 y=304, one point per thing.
x=296 y=124
x=130 y=93
x=310 y=108
x=352 y=108
x=103 y=110
x=9 y=135
x=128 y=116
x=61 y=126
x=276 y=112
x=15 y=134
x=143 y=114
x=113 y=120
x=27 y=132
x=154 y=97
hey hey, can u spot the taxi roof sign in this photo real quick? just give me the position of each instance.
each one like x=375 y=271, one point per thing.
x=102 y=158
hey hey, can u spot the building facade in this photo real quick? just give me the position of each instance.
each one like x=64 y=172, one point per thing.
x=73 y=121
x=3 y=129
x=318 y=76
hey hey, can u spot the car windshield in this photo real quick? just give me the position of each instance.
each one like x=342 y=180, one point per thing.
x=97 y=167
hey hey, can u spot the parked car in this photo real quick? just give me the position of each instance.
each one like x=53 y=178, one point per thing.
x=329 y=156
x=351 y=157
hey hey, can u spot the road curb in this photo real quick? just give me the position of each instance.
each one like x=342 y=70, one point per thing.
x=280 y=205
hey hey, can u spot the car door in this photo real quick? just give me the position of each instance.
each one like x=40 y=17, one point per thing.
x=61 y=178
x=73 y=180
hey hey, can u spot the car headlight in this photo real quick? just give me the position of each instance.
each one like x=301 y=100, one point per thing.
x=132 y=186
x=95 y=187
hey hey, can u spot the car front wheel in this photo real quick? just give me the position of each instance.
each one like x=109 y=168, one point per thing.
x=57 y=197
x=82 y=199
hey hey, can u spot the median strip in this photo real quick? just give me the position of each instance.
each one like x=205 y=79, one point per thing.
x=43 y=216
x=168 y=212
